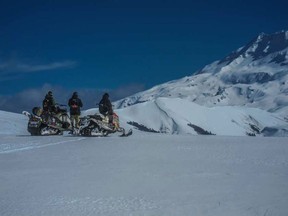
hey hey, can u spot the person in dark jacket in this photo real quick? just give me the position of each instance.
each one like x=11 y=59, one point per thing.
x=105 y=107
x=49 y=105
x=75 y=104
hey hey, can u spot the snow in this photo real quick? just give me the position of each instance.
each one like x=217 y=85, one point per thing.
x=144 y=174
x=174 y=115
x=12 y=123
x=266 y=49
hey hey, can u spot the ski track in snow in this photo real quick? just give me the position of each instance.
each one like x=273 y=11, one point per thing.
x=8 y=147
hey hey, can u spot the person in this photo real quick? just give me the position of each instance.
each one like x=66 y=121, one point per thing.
x=75 y=104
x=105 y=107
x=49 y=105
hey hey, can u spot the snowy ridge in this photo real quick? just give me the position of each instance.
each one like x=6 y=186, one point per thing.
x=255 y=75
x=181 y=116
x=176 y=116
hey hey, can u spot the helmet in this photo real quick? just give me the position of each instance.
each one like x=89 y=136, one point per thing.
x=50 y=93
x=106 y=95
x=75 y=94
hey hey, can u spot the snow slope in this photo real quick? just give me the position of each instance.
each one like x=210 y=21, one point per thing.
x=181 y=116
x=174 y=115
x=12 y=123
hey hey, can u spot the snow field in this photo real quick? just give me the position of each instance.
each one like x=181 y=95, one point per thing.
x=145 y=174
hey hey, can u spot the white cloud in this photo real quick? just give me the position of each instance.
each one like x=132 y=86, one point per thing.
x=45 y=67
x=13 y=69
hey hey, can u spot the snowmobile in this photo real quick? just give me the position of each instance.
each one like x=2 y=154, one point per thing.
x=98 y=125
x=42 y=123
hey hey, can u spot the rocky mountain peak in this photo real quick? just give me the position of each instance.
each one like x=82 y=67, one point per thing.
x=262 y=46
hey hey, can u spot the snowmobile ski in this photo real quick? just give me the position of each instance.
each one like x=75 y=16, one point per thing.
x=129 y=133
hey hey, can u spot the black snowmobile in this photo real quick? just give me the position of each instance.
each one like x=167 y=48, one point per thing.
x=41 y=123
x=98 y=125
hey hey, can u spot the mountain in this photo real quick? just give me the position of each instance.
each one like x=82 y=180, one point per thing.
x=254 y=75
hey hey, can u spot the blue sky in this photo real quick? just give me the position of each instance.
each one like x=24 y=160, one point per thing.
x=119 y=46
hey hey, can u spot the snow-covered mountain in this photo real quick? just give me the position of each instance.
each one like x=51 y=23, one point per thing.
x=255 y=75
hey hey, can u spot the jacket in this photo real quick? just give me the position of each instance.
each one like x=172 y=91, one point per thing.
x=75 y=104
x=105 y=106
